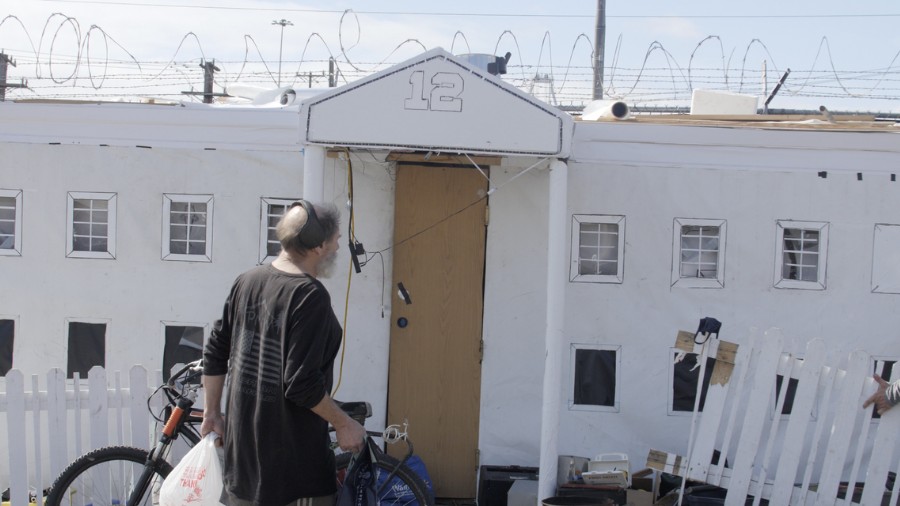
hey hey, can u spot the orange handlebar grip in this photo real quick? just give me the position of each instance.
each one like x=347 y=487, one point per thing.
x=169 y=429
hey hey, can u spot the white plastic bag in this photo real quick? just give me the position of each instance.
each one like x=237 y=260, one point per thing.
x=197 y=479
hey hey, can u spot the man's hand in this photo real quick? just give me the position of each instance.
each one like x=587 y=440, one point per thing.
x=351 y=436
x=879 y=399
x=213 y=422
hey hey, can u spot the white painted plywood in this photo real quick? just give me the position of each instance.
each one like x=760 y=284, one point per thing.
x=436 y=102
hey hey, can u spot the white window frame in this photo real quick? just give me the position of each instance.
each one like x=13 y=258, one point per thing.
x=577 y=220
x=573 y=349
x=696 y=282
x=822 y=229
x=16 y=250
x=265 y=202
x=110 y=252
x=168 y=199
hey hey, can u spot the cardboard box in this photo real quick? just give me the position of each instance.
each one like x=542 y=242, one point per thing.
x=639 y=497
x=645 y=479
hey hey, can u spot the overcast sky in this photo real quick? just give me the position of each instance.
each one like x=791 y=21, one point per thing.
x=676 y=42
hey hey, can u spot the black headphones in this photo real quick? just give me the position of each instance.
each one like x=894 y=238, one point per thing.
x=311 y=234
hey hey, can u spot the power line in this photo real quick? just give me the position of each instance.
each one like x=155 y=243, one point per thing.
x=485 y=14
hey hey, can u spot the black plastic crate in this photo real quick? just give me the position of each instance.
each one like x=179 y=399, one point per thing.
x=494 y=482
x=589 y=494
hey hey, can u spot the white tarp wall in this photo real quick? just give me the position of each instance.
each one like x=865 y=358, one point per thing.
x=137 y=293
x=750 y=179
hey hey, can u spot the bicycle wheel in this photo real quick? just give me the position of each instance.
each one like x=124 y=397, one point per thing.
x=406 y=488
x=106 y=477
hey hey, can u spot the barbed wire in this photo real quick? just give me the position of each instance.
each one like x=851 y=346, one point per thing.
x=55 y=70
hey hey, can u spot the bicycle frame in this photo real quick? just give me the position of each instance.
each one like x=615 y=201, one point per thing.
x=179 y=421
x=182 y=419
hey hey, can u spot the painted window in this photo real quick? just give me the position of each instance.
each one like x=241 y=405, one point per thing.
x=698 y=253
x=685 y=375
x=789 y=393
x=801 y=255
x=183 y=344
x=187 y=227
x=87 y=346
x=11 y=222
x=7 y=336
x=886 y=258
x=598 y=247
x=595 y=374
x=270 y=212
x=91 y=225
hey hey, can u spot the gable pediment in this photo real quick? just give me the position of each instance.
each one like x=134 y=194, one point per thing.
x=436 y=102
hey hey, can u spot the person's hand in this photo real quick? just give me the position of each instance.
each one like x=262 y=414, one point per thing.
x=351 y=436
x=879 y=399
x=213 y=422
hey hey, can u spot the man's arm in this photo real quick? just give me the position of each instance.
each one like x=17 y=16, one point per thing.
x=213 y=421
x=350 y=434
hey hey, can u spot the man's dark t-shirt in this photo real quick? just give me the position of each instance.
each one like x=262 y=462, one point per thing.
x=281 y=336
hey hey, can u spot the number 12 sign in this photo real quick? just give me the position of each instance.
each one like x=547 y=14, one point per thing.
x=442 y=93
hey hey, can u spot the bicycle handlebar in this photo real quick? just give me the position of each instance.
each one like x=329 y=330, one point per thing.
x=191 y=371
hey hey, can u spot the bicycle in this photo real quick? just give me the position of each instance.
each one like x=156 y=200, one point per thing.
x=117 y=475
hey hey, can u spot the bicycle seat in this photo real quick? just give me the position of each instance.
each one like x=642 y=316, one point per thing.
x=357 y=410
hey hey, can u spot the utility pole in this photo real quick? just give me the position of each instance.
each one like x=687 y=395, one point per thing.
x=599 y=49
x=283 y=23
x=332 y=79
x=6 y=61
x=209 y=69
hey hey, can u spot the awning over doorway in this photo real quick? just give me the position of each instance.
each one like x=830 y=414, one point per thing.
x=436 y=102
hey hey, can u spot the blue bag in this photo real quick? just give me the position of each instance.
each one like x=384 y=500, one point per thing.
x=397 y=492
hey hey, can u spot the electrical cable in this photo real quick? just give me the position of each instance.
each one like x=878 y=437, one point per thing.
x=352 y=238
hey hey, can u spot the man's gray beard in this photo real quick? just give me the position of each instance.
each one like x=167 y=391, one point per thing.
x=326 y=268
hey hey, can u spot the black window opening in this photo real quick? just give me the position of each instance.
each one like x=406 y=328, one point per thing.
x=788 y=395
x=885 y=375
x=183 y=344
x=684 y=382
x=87 y=347
x=7 y=334
x=595 y=377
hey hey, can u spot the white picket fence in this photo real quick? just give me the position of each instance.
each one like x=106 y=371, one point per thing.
x=50 y=425
x=814 y=455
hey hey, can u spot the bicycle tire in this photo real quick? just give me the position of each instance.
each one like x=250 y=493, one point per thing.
x=105 y=477
x=405 y=479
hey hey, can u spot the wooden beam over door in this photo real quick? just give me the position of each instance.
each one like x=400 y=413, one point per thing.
x=442 y=158
x=437 y=158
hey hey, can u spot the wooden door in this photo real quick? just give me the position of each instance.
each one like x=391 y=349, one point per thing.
x=435 y=357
